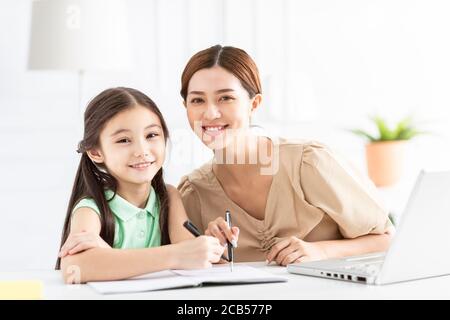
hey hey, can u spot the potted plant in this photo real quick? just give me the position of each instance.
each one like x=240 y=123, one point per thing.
x=385 y=150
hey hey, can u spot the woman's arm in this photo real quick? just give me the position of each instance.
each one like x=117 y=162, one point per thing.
x=349 y=247
x=293 y=249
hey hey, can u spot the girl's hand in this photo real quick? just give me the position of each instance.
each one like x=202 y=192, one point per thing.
x=197 y=253
x=219 y=228
x=293 y=249
x=77 y=242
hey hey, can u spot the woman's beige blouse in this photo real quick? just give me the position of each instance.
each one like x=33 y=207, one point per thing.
x=315 y=195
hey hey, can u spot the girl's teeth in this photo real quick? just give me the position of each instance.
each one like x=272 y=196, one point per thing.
x=141 y=165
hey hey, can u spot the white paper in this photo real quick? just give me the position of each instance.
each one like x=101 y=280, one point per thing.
x=170 y=279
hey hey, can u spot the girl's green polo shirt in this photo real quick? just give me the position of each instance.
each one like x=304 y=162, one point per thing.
x=134 y=227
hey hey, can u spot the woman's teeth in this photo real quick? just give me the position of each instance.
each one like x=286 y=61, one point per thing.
x=214 y=128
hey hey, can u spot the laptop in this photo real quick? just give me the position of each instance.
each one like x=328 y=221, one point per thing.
x=420 y=247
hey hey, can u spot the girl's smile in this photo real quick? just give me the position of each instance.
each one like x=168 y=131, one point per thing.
x=141 y=166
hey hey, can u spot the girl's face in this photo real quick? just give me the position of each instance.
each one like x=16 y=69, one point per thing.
x=218 y=107
x=132 y=146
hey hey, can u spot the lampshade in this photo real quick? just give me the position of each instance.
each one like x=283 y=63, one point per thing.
x=79 y=35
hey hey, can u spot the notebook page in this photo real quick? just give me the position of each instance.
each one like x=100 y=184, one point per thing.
x=171 y=279
x=148 y=282
x=223 y=274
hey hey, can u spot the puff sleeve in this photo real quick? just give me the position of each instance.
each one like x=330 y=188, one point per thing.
x=330 y=183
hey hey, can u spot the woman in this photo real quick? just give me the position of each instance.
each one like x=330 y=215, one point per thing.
x=292 y=201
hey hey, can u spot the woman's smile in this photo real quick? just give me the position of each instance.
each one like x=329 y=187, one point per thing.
x=214 y=130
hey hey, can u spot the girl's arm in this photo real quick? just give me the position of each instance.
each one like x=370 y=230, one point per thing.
x=101 y=264
x=95 y=264
x=84 y=233
x=177 y=216
x=98 y=264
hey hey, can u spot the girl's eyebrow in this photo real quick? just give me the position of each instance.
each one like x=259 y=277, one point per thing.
x=218 y=91
x=128 y=130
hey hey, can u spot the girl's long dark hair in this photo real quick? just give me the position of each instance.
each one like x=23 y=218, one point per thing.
x=92 y=180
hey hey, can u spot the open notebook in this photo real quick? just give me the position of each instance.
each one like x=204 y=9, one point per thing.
x=170 y=279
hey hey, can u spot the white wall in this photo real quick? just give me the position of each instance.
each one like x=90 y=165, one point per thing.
x=325 y=65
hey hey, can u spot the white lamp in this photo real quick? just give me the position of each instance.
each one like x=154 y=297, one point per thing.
x=79 y=35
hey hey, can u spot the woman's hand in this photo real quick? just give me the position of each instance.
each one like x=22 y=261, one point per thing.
x=77 y=242
x=197 y=253
x=293 y=249
x=219 y=228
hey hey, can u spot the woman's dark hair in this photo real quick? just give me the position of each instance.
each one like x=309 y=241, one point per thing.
x=234 y=60
x=92 y=180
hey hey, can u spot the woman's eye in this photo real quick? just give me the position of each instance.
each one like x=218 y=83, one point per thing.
x=124 y=140
x=152 y=135
x=226 y=98
x=196 y=100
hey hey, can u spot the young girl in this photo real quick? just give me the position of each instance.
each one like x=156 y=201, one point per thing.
x=120 y=208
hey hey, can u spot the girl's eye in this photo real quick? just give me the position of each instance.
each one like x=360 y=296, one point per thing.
x=196 y=100
x=152 y=135
x=124 y=140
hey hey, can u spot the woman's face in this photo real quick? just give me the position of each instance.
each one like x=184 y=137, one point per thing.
x=218 y=107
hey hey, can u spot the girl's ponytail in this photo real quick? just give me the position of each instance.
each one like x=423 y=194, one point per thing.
x=97 y=182
x=159 y=186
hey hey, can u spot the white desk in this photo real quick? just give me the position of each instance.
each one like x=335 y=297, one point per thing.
x=298 y=287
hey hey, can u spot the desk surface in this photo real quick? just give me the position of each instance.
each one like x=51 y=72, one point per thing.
x=297 y=287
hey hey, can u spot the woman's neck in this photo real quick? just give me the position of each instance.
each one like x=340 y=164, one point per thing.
x=239 y=164
x=136 y=194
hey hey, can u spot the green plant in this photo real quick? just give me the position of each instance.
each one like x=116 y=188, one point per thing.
x=404 y=130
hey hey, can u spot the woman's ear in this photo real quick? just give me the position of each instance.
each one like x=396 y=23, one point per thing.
x=184 y=103
x=256 y=102
x=96 y=155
